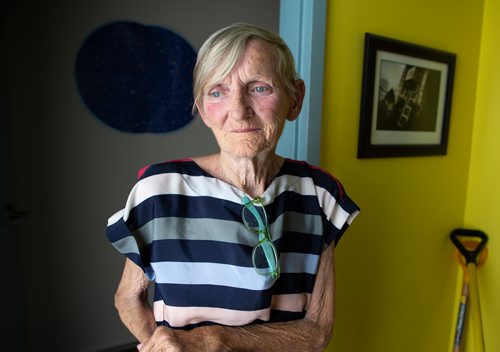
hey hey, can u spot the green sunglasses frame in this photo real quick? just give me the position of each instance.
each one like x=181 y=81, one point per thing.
x=264 y=237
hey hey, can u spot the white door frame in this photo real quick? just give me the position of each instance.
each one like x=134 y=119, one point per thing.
x=302 y=26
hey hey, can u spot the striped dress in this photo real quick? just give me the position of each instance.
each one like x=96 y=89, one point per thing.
x=184 y=228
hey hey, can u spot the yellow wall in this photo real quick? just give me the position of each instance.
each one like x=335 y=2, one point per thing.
x=396 y=272
x=482 y=210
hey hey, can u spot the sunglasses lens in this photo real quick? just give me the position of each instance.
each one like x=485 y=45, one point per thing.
x=254 y=217
x=265 y=259
x=264 y=256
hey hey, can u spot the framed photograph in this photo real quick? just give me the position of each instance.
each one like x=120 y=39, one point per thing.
x=405 y=99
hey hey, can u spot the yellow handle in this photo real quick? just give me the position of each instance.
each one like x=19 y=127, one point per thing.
x=475 y=309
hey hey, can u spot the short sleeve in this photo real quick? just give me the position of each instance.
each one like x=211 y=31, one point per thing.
x=338 y=208
x=127 y=232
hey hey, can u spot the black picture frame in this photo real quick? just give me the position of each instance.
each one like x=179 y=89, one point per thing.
x=405 y=99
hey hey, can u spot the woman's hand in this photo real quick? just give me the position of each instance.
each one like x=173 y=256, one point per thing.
x=163 y=340
x=168 y=340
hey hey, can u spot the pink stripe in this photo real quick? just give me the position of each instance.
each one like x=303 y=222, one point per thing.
x=143 y=170
x=291 y=303
x=182 y=316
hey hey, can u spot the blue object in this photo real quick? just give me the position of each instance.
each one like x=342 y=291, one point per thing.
x=303 y=27
x=137 y=78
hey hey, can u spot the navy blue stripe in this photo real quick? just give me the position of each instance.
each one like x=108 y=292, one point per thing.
x=135 y=258
x=206 y=251
x=347 y=204
x=181 y=166
x=292 y=201
x=290 y=283
x=340 y=233
x=321 y=178
x=174 y=205
x=214 y=296
x=199 y=251
x=280 y=315
x=117 y=231
x=332 y=233
x=295 y=168
x=299 y=243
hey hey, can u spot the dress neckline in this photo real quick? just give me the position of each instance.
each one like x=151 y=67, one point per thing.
x=265 y=196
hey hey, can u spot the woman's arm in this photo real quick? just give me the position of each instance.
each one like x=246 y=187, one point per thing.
x=309 y=334
x=131 y=301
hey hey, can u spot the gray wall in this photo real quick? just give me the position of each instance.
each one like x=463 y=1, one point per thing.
x=70 y=171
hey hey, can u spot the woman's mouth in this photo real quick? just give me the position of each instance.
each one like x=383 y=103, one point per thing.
x=245 y=130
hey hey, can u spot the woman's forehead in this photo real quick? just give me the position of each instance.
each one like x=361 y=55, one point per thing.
x=258 y=59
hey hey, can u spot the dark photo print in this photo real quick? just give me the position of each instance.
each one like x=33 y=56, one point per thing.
x=408 y=97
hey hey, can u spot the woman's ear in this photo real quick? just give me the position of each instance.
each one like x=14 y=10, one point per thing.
x=297 y=100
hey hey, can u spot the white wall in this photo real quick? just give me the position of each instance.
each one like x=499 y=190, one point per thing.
x=70 y=171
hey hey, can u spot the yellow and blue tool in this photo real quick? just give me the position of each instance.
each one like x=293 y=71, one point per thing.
x=471 y=246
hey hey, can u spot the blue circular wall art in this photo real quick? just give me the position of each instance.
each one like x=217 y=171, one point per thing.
x=137 y=78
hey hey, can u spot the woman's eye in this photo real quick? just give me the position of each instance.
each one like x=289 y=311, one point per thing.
x=215 y=94
x=261 y=89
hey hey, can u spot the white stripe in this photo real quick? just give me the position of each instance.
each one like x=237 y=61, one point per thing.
x=213 y=187
x=305 y=186
x=173 y=183
x=156 y=185
x=115 y=217
x=352 y=217
x=332 y=209
x=302 y=185
x=299 y=263
x=210 y=274
x=340 y=216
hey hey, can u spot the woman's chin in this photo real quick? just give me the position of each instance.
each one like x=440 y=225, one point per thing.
x=246 y=151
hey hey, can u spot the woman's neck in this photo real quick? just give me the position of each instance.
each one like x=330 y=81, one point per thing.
x=251 y=175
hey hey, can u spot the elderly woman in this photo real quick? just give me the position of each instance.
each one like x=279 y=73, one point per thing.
x=240 y=243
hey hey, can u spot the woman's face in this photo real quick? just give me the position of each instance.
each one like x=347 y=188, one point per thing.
x=247 y=109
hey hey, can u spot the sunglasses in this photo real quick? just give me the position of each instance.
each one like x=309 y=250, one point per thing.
x=264 y=255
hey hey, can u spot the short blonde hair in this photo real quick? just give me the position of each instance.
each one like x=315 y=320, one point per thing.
x=223 y=49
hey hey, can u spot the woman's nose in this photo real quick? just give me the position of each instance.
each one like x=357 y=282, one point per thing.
x=240 y=106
